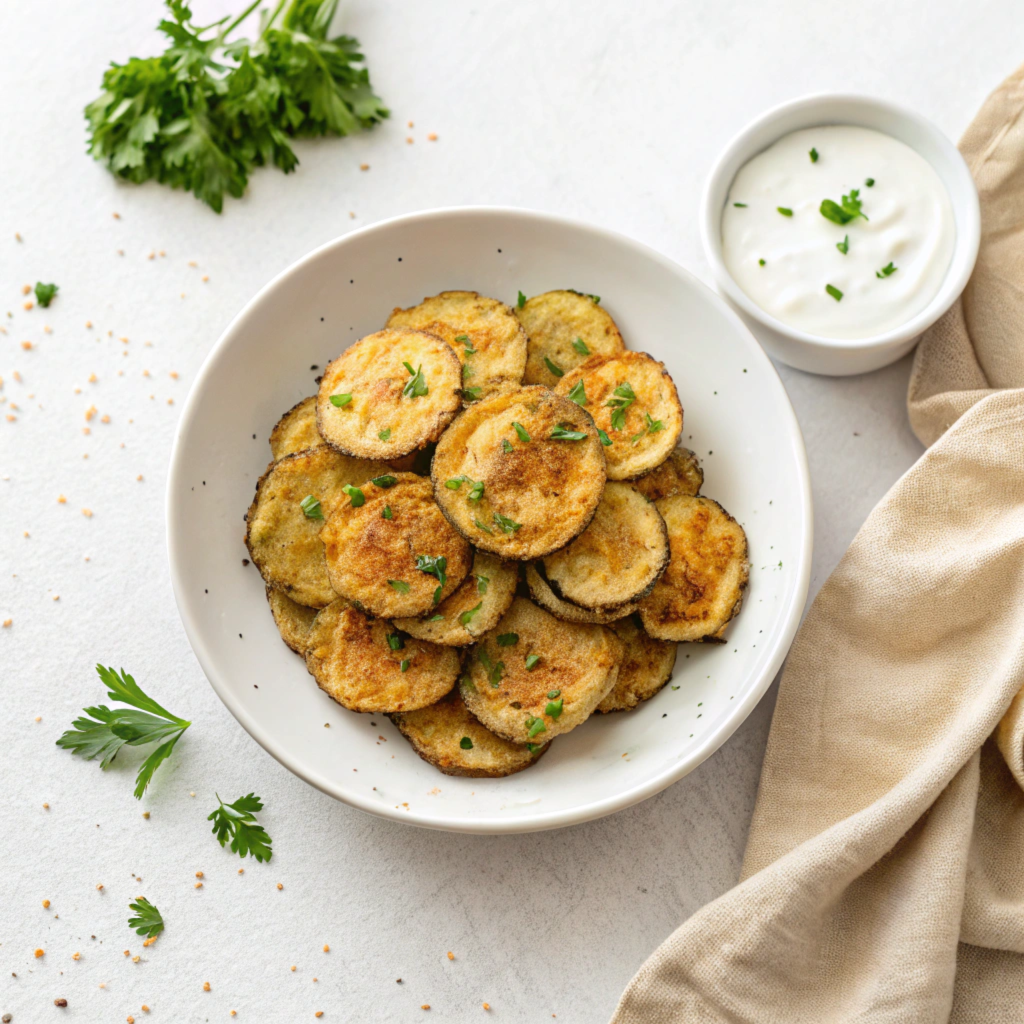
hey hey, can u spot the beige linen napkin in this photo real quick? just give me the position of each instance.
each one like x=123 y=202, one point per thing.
x=884 y=874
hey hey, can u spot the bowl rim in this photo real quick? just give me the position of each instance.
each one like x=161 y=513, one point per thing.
x=176 y=516
x=967 y=217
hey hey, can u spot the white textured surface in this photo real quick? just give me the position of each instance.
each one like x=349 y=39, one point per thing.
x=595 y=110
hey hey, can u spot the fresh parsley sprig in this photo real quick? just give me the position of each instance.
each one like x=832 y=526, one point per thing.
x=622 y=398
x=107 y=730
x=842 y=213
x=416 y=386
x=436 y=566
x=45 y=293
x=237 y=821
x=147 y=921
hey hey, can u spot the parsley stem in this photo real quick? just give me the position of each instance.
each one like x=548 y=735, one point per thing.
x=245 y=14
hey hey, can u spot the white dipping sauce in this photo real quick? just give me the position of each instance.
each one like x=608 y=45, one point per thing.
x=910 y=225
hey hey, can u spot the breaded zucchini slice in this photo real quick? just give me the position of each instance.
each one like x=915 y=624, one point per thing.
x=453 y=741
x=646 y=667
x=367 y=665
x=534 y=677
x=563 y=328
x=484 y=333
x=481 y=599
x=284 y=538
x=633 y=400
x=296 y=430
x=680 y=473
x=389 y=548
x=389 y=393
x=617 y=558
x=702 y=588
x=542 y=593
x=520 y=474
x=293 y=620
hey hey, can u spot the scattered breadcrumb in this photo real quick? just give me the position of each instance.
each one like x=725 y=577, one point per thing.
x=411 y=124
x=293 y=967
x=206 y=277
x=199 y=874
x=93 y=378
x=47 y=329
x=425 y=1006
x=327 y=948
x=88 y=323
x=46 y=904
x=206 y=986
x=451 y=955
x=145 y=1008
x=28 y=305
x=487 y=1006
x=76 y=956
x=117 y=216
x=199 y=885
x=26 y=345
x=280 y=886
x=7 y=624
x=145 y=814
x=87 y=512
x=39 y=953
x=90 y=413
x=364 y=167
x=150 y=940
x=432 y=136
x=409 y=140
x=319 y=1013
x=99 y=888
x=25 y=289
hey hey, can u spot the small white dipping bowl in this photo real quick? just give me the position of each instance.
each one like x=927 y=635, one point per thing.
x=842 y=357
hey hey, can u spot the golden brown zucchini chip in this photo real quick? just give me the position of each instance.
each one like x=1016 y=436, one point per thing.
x=564 y=327
x=520 y=474
x=482 y=599
x=633 y=400
x=542 y=593
x=484 y=333
x=702 y=588
x=293 y=620
x=296 y=430
x=389 y=393
x=453 y=741
x=646 y=667
x=533 y=677
x=390 y=549
x=367 y=665
x=283 y=523
x=617 y=558
x=680 y=473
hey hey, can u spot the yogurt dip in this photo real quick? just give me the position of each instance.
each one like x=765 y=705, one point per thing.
x=838 y=231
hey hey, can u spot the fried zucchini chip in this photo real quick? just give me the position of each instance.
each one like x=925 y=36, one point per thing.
x=389 y=548
x=283 y=537
x=646 y=667
x=617 y=558
x=293 y=620
x=484 y=333
x=453 y=741
x=389 y=393
x=680 y=473
x=296 y=430
x=702 y=588
x=482 y=599
x=542 y=593
x=367 y=665
x=564 y=327
x=533 y=677
x=633 y=400
x=520 y=474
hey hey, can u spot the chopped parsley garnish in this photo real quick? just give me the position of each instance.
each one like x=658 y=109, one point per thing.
x=554 y=709
x=386 y=514
x=467 y=371
x=481 y=583
x=340 y=401
x=434 y=565
x=107 y=730
x=834 y=292
x=578 y=394
x=238 y=821
x=561 y=434
x=813 y=154
x=147 y=921
x=622 y=400
x=466 y=743
x=385 y=481
x=400 y=586
x=416 y=386
x=385 y=434
x=760 y=263
x=535 y=726
x=532 y=661
x=844 y=245
x=507 y=639
x=494 y=670
x=355 y=494
x=521 y=301
x=554 y=694
x=581 y=346
x=508 y=525
x=476 y=492
x=742 y=206
x=603 y=438
x=463 y=339
x=870 y=182
x=554 y=367
x=396 y=641
x=849 y=209
x=311 y=507
x=45 y=293
x=456 y=482
x=467 y=617
x=436 y=618
x=785 y=211
x=506 y=445
x=403 y=665
x=534 y=747
x=887 y=271
x=595 y=299
x=486 y=529
x=520 y=432
x=653 y=426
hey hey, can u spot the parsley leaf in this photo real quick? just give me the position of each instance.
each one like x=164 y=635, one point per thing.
x=844 y=245
x=340 y=401
x=206 y=112
x=653 y=426
x=834 y=292
x=434 y=565
x=311 y=507
x=554 y=367
x=521 y=301
x=578 y=394
x=520 y=432
x=238 y=821
x=508 y=525
x=399 y=586
x=45 y=293
x=107 y=730
x=355 y=494
x=147 y=921
x=466 y=743
x=416 y=386
x=386 y=513
x=507 y=639
x=486 y=529
x=887 y=271
x=384 y=481
x=467 y=616
x=844 y=213
x=481 y=583
x=581 y=346
x=495 y=670
x=506 y=445
x=561 y=434
x=554 y=709
x=742 y=206
x=472 y=394
x=813 y=154
x=385 y=435
x=535 y=726
x=396 y=641
x=603 y=438
x=870 y=182
x=532 y=660
x=785 y=211
x=623 y=398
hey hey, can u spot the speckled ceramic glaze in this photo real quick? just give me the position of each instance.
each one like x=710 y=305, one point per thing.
x=737 y=418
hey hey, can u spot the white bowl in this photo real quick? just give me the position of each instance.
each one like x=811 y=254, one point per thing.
x=735 y=407
x=840 y=357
